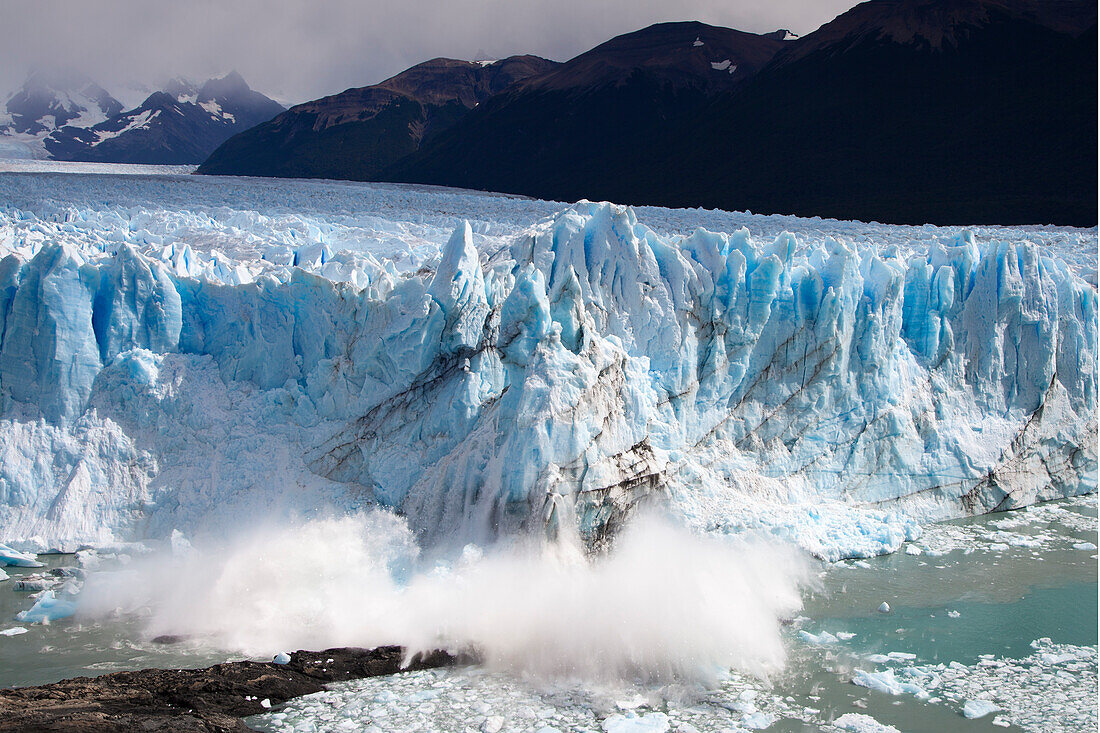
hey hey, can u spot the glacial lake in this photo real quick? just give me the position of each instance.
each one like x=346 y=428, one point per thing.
x=1001 y=608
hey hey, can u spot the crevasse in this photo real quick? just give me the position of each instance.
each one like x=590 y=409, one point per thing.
x=826 y=393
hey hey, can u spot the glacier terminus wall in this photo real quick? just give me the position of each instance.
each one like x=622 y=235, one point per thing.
x=551 y=377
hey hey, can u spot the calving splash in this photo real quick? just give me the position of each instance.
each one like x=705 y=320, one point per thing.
x=663 y=603
x=546 y=381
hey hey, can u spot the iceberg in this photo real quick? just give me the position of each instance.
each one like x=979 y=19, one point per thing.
x=554 y=379
x=47 y=608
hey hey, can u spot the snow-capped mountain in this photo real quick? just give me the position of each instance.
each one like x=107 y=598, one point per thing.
x=357 y=133
x=181 y=124
x=46 y=101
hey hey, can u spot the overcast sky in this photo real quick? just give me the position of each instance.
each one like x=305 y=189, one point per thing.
x=302 y=50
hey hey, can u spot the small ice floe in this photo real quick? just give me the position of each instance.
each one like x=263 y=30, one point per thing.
x=758 y=720
x=13 y=631
x=633 y=723
x=888 y=682
x=697 y=42
x=884 y=608
x=860 y=723
x=33 y=584
x=901 y=656
x=265 y=703
x=492 y=724
x=953 y=614
x=913 y=550
x=47 y=608
x=3 y=576
x=15 y=558
x=978 y=708
x=845 y=635
x=1086 y=546
x=281 y=658
x=823 y=638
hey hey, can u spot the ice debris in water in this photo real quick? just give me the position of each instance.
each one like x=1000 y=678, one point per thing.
x=631 y=723
x=281 y=658
x=860 y=723
x=884 y=607
x=47 y=608
x=18 y=559
x=13 y=631
x=978 y=708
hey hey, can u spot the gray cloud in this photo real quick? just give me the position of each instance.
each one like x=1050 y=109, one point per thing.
x=301 y=50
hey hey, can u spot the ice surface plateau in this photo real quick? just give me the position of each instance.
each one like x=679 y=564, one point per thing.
x=824 y=390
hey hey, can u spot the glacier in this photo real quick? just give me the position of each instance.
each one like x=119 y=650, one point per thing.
x=489 y=365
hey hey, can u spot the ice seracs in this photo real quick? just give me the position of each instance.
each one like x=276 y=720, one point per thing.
x=823 y=391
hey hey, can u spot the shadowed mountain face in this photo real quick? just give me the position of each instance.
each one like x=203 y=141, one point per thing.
x=359 y=132
x=578 y=131
x=182 y=124
x=946 y=111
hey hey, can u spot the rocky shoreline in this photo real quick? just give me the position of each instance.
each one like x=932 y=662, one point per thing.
x=208 y=700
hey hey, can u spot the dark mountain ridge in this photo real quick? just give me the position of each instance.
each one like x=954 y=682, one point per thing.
x=942 y=111
x=356 y=133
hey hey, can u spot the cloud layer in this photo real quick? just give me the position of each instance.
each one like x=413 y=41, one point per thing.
x=301 y=50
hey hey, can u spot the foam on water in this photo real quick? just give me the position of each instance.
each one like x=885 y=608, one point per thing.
x=663 y=603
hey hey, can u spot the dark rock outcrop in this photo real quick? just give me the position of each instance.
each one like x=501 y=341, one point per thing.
x=210 y=699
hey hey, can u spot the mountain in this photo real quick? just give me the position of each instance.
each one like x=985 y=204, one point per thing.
x=948 y=111
x=47 y=100
x=945 y=111
x=181 y=124
x=356 y=133
x=50 y=100
x=579 y=130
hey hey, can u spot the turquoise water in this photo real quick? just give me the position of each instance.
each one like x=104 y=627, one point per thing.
x=981 y=591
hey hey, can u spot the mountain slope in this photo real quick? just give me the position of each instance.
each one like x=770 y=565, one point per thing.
x=180 y=125
x=581 y=128
x=948 y=111
x=955 y=111
x=358 y=132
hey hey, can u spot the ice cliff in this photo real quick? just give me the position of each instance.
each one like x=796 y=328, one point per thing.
x=822 y=391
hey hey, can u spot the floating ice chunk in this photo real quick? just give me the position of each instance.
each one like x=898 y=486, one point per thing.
x=1086 y=546
x=9 y=556
x=281 y=658
x=823 y=638
x=884 y=607
x=845 y=635
x=1001 y=721
x=492 y=724
x=265 y=703
x=860 y=723
x=953 y=614
x=887 y=681
x=46 y=609
x=978 y=708
x=3 y=576
x=13 y=631
x=901 y=656
x=698 y=43
x=913 y=550
x=758 y=721
x=633 y=723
